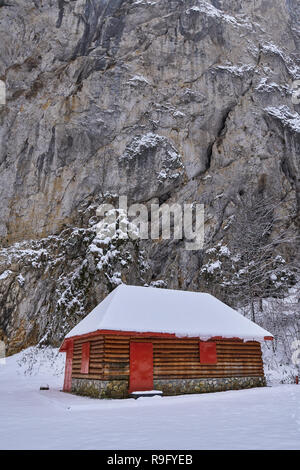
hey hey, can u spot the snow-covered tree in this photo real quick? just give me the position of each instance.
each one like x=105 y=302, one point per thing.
x=252 y=265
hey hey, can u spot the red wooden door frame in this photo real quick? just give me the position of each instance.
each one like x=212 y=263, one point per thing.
x=141 y=366
x=68 y=368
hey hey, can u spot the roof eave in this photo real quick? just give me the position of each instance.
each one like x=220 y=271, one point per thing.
x=64 y=345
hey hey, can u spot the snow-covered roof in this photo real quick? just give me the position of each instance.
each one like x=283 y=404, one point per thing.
x=157 y=310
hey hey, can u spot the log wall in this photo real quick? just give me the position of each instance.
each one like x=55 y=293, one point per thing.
x=96 y=358
x=173 y=358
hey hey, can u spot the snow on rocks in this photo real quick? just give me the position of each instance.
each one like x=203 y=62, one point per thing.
x=287 y=118
x=5 y=274
x=21 y=280
x=141 y=143
x=292 y=68
x=238 y=71
x=138 y=80
x=63 y=271
x=270 y=87
x=210 y=267
x=211 y=11
x=178 y=114
x=148 y=141
x=156 y=153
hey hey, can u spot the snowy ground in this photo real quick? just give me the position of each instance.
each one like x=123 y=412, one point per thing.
x=266 y=418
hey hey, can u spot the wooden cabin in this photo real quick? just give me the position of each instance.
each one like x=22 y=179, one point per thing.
x=145 y=338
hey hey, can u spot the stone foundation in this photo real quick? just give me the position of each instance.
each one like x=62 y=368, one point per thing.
x=100 y=388
x=183 y=386
x=119 y=388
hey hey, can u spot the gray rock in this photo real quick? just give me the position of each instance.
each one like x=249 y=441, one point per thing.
x=209 y=81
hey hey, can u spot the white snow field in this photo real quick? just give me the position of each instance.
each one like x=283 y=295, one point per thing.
x=261 y=418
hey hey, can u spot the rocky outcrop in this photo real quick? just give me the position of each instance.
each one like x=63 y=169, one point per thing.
x=164 y=101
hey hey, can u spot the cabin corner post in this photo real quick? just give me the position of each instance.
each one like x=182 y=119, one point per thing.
x=68 y=367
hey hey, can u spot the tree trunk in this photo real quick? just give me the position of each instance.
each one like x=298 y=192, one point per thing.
x=252 y=311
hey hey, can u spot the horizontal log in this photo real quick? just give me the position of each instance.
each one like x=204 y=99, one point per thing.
x=115 y=365
x=239 y=353
x=92 y=360
x=203 y=376
x=95 y=362
x=205 y=370
x=170 y=357
x=174 y=348
x=196 y=356
x=94 y=365
x=118 y=349
x=96 y=351
x=87 y=376
x=123 y=360
x=165 y=342
x=95 y=371
x=191 y=372
x=79 y=351
x=115 y=341
x=124 y=338
x=92 y=350
x=109 y=344
x=196 y=345
x=118 y=337
x=173 y=356
x=113 y=356
x=197 y=363
x=120 y=373
x=190 y=365
x=78 y=343
x=189 y=340
x=76 y=363
x=196 y=353
x=241 y=347
x=77 y=354
x=201 y=369
x=116 y=372
x=108 y=367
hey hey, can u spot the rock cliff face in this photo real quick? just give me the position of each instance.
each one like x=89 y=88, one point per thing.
x=162 y=101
